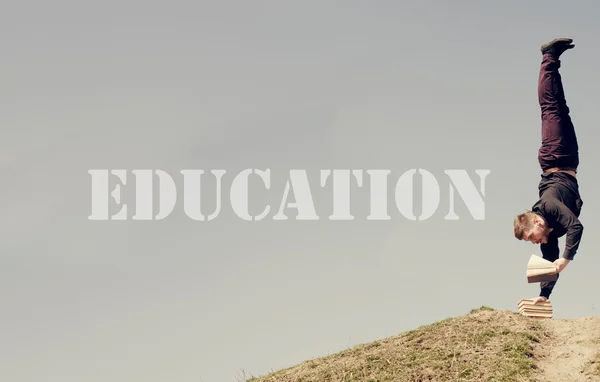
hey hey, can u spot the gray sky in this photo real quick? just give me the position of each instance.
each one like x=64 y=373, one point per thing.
x=367 y=85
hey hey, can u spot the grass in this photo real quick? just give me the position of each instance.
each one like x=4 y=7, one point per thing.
x=484 y=345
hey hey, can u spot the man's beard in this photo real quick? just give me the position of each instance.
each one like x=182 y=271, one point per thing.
x=546 y=234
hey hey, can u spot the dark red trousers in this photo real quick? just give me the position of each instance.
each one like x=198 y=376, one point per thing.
x=559 y=143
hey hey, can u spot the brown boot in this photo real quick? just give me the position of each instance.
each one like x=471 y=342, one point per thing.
x=557 y=46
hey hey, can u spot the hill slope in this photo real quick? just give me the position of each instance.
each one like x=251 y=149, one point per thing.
x=484 y=345
x=571 y=351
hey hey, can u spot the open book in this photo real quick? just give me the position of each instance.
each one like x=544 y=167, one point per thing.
x=540 y=269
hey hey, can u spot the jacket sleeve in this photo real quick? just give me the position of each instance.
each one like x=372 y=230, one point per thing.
x=550 y=252
x=558 y=214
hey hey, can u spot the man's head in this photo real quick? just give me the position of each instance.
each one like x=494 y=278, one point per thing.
x=531 y=227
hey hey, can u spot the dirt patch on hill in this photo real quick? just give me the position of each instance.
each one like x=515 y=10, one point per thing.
x=570 y=350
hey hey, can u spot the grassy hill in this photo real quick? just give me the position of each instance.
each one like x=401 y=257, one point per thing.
x=484 y=345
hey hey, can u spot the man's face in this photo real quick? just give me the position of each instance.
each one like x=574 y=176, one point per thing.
x=538 y=234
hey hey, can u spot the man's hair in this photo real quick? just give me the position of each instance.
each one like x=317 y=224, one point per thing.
x=523 y=223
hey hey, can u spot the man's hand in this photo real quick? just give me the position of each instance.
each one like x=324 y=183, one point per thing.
x=539 y=299
x=561 y=264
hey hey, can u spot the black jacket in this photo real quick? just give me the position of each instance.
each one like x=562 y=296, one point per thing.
x=560 y=205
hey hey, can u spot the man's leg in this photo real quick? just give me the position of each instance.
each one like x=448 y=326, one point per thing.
x=559 y=142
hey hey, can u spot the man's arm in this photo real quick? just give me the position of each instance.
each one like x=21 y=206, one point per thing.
x=558 y=214
x=550 y=252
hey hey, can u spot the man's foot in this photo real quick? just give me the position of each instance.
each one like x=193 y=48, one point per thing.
x=539 y=299
x=557 y=46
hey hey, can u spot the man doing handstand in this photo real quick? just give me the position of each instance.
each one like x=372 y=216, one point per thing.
x=557 y=211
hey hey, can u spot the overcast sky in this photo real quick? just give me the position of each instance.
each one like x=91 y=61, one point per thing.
x=237 y=85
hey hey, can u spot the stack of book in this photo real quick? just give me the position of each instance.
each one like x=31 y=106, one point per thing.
x=540 y=269
x=539 y=310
